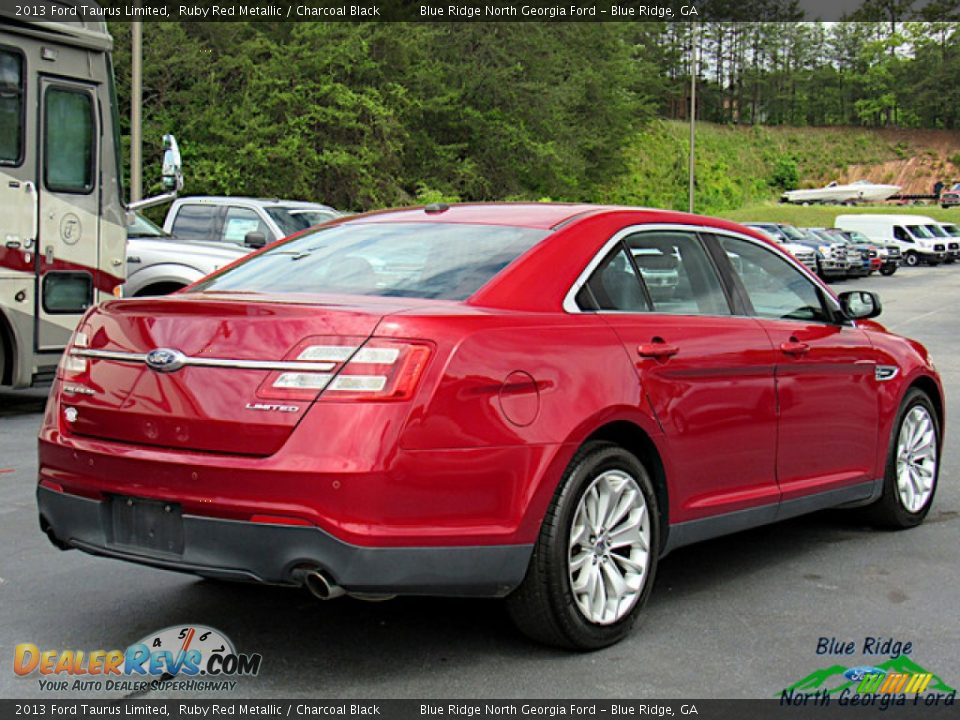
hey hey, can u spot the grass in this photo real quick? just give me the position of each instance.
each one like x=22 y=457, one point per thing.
x=824 y=215
x=739 y=166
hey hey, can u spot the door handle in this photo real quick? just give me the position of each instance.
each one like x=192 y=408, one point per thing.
x=657 y=349
x=794 y=347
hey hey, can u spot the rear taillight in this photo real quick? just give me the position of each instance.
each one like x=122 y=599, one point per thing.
x=349 y=369
x=73 y=367
x=380 y=370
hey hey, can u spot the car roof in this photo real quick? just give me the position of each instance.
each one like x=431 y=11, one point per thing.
x=546 y=216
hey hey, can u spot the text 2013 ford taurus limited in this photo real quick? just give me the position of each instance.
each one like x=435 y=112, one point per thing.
x=484 y=400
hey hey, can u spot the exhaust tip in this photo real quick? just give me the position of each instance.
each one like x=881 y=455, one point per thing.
x=319 y=583
x=47 y=530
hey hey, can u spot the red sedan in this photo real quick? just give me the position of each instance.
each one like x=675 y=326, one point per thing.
x=532 y=401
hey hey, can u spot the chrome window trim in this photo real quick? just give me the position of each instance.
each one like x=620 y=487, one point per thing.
x=570 y=299
x=274 y=365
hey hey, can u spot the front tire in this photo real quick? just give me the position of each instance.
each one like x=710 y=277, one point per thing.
x=888 y=270
x=912 y=469
x=911 y=259
x=595 y=560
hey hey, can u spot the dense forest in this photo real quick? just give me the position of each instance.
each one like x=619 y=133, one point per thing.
x=363 y=115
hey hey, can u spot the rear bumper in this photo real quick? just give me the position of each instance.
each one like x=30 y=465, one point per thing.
x=267 y=553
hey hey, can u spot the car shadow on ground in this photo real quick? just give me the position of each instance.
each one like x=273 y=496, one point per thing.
x=343 y=638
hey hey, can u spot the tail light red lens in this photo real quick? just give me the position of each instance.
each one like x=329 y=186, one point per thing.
x=380 y=370
x=347 y=368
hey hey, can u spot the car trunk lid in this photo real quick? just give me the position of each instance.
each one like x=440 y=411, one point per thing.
x=195 y=371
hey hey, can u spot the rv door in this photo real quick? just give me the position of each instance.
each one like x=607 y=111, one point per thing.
x=68 y=179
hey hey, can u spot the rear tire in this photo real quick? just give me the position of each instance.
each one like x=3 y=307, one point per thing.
x=912 y=469
x=586 y=583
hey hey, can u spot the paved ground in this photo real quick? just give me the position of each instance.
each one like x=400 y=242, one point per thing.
x=736 y=617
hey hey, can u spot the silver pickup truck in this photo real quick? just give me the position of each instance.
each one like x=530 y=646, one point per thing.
x=159 y=264
x=208 y=233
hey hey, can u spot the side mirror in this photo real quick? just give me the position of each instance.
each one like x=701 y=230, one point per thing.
x=172 y=165
x=860 y=304
x=255 y=239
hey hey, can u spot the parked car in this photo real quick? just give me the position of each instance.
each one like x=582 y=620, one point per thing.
x=862 y=257
x=857 y=260
x=832 y=262
x=953 y=246
x=158 y=263
x=908 y=232
x=805 y=254
x=888 y=257
x=514 y=416
x=950 y=198
x=249 y=222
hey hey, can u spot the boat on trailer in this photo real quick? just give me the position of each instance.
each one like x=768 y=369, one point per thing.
x=861 y=190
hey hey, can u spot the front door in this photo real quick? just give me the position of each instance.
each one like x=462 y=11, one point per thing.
x=68 y=174
x=825 y=373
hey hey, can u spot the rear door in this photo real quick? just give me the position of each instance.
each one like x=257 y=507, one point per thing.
x=67 y=258
x=706 y=373
x=825 y=374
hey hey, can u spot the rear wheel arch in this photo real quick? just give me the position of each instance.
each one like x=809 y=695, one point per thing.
x=635 y=440
x=159 y=288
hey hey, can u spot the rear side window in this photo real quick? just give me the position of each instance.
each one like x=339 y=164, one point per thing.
x=69 y=140
x=11 y=108
x=424 y=260
x=195 y=222
x=613 y=286
x=777 y=290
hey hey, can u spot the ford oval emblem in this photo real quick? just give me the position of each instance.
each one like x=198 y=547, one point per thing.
x=165 y=360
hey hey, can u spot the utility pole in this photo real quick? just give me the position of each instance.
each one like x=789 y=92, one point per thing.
x=694 y=48
x=136 y=102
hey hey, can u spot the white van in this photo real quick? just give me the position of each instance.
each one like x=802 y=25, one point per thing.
x=908 y=232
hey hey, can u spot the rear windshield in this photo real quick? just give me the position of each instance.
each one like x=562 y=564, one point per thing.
x=423 y=260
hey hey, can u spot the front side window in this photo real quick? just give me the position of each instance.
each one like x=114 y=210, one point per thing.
x=444 y=261
x=240 y=221
x=11 y=107
x=677 y=273
x=776 y=289
x=195 y=222
x=69 y=141
x=900 y=234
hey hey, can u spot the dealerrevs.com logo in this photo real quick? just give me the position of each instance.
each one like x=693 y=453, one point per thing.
x=180 y=657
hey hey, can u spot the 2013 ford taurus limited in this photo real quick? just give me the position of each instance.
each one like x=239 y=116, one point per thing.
x=483 y=400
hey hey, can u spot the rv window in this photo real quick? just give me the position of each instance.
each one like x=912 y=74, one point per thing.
x=69 y=141
x=11 y=107
x=67 y=293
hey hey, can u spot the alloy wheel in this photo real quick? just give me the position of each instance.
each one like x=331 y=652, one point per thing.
x=609 y=549
x=916 y=459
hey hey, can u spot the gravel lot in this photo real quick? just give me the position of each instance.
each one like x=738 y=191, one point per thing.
x=735 y=617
